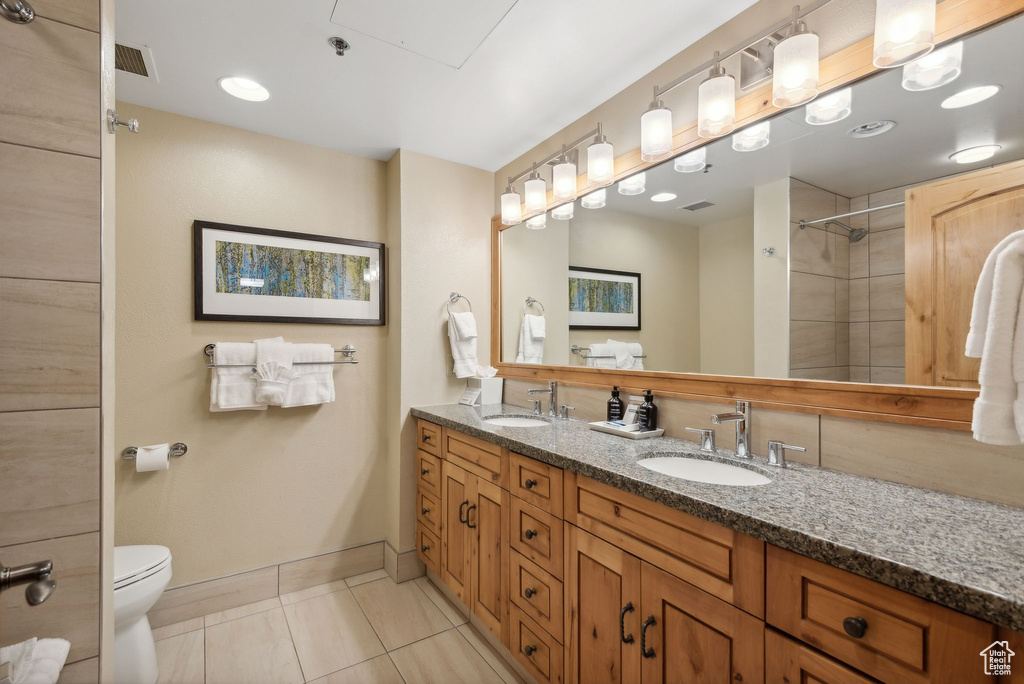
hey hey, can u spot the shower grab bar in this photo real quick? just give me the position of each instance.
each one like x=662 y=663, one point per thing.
x=348 y=351
x=584 y=353
x=851 y=213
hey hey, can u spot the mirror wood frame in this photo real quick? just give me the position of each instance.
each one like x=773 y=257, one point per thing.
x=938 y=407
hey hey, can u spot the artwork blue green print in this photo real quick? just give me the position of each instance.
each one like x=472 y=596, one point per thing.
x=244 y=268
x=600 y=296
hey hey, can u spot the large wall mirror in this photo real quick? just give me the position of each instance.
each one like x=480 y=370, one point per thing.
x=784 y=251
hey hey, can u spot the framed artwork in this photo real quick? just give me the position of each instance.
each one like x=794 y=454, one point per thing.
x=600 y=299
x=276 y=276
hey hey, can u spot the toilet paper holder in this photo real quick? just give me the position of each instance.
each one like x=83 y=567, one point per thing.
x=177 y=449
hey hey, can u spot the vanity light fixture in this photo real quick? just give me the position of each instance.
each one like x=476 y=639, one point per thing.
x=563 y=179
x=563 y=212
x=634 y=185
x=752 y=137
x=795 y=70
x=538 y=222
x=594 y=200
x=656 y=130
x=716 y=103
x=663 y=197
x=904 y=31
x=511 y=209
x=830 y=108
x=536 y=192
x=966 y=98
x=972 y=155
x=935 y=69
x=600 y=160
x=244 y=88
x=692 y=161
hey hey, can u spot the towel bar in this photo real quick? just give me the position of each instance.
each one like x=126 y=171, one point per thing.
x=348 y=351
x=584 y=353
x=177 y=449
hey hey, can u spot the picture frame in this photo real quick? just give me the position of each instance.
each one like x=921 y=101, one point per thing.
x=248 y=274
x=602 y=299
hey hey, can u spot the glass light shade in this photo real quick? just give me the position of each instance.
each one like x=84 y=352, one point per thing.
x=752 y=137
x=934 y=69
x=904 y=31
x=656 y=133
x=563 y=212
x=795 y=77
x=691 y=162
x=538 y=222
x=563 y=182
x=511 y=209
x=600 y=163
x=716 y=106
x=634 y=185
x=536 y=191
x=830 y=108
x=594 y=200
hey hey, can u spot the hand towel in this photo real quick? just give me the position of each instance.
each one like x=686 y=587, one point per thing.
x=536 y=325
x=620 y=350
x=601 y=356
x=531 y=347
x=983 y=297
x=234 y=388
x=993 y=420
x=637 y=352
x=313 y=379
x=463 y=349
x=36 y=661
x=274 y=372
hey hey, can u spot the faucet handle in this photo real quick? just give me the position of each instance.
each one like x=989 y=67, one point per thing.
x=564 y=411
x=536 y=407
x=707 y=439
x=777 y=452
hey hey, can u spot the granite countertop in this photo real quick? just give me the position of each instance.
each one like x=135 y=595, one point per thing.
x=962 y=553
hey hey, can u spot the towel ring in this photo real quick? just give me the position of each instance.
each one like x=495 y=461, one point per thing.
x=454 y=297
x=530 y=301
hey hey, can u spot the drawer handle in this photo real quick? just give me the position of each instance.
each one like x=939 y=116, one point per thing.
x=424 y=511
x=424 y=471
x=647 y=652
x=530 y=484
x=426 y=437
x=529 y=650
x=855 y=626
x=468 y=511
x=628 y=608
x=461 y=507
x=425 y=548
x=529 y=593
x=530 y=534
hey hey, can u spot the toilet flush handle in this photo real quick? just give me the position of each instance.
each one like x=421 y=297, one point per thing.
x=36 y=575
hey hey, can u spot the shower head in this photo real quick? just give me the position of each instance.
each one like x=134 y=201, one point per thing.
x=856 y=234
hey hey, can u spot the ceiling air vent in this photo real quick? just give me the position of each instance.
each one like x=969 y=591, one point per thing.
x=134 y=59
x=697 y=206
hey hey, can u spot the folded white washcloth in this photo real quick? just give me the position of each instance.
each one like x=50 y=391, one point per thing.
x=621 y=352
x=274 y=372
x=531 y=347
x=601 y=356
x=233 y=388
x=983 y=297
x=637 y=352
x=465 y=325
x=36 y=661
x=463 y=349
x=536 y=326
x=313 y=377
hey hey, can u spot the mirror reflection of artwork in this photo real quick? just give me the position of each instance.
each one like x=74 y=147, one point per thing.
x=603 y=299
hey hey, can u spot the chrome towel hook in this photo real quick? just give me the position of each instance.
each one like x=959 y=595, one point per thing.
x=113 y=123
x=18 y=11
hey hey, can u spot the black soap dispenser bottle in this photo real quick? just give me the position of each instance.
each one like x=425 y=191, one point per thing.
x=648 y=413
x=616 y=409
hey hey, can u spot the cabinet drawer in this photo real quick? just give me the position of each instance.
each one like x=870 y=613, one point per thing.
x=790 y=661
x=724 y=563
x=428 y=474
x=535 y=482
x=428 y=437
x=428 y=512
x=477 y=456
x=537 y=593
x=534 y=648
x=879 y=630
x=537 y=535
x=428 y=548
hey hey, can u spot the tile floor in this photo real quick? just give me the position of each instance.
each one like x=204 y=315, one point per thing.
x=362 y=630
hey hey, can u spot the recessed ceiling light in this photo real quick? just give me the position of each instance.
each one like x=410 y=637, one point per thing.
x=871 y=129
x=663 y=197
x=244 y=88
x=974 y=154
x=965 y=98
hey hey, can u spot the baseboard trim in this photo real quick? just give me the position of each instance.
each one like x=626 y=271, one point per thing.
x=402 y=566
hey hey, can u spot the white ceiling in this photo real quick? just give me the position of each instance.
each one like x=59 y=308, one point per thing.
x=524 y=75
x=916 y=150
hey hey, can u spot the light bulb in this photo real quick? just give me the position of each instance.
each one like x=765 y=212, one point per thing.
x=795 y=76
x=716 y=103
x=536 y=192
x=935 y=69
x=656 y=131
x=563 y=212
x=563 y=182
x=244 y=88
x=594 y=200
x=830 y=108
x=634 y=185
x=692 y=161
x=600 y=162
x=511 y=209
x=752 y=137
x=904 y=31
x=538 y=222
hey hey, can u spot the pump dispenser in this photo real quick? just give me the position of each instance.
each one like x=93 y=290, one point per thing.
x=616 y=409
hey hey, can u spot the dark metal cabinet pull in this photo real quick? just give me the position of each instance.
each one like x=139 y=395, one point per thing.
x=529 y=650
x=628 y=608
x=461 y=507
x=468 y=511
x=425 y=548
x=426 y=437
x=530 y=534
x=529 y=593
x=424 y=511
x=855 y=626
x=646 y=652
x=424 y=471
x=530 y=484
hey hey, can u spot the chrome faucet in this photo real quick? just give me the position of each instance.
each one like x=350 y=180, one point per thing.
x=552 y=392
x=741 y=416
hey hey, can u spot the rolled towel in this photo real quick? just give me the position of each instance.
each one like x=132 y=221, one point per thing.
x=233 y=387
x=983 y=297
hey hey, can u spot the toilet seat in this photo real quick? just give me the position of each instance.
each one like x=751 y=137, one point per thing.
x=135 y=563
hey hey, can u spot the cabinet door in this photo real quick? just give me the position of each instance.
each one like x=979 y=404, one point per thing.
x=603 y=595
x=487 y=517
x=691 y=636
x=455 y=534
x=790 y=661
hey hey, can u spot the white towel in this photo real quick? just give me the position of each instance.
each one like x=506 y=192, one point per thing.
x=313 y=381
x=601 y=356
x=463 y=349
x=531 y=347
x=36 y=661
x=234 y=388
x=274 y=372
x=620 y=350
x=1002 y=360
x=983 y=297
x=465 y=325
x=637 y=352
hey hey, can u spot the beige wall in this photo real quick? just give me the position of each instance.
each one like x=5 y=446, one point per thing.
x=771 y=279
x=727 y=297
x=255 y=488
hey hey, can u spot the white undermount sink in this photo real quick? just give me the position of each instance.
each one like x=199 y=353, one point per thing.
x=700 y=470
x=516 y=421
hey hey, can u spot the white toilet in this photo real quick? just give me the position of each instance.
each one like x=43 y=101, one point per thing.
x=141 y=574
